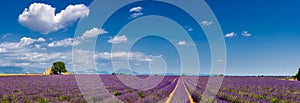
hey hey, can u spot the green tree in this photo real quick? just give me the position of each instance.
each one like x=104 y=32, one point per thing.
x=58 y=67
x=297 y=76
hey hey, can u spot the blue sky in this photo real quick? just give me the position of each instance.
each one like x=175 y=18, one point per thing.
x=261 y=37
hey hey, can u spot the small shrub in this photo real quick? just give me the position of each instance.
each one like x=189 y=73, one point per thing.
x=128 y=91
x=240 y=92
x=250 y=94
x=230 y=90
x=165 y=93
x=5 y=99
x=27 y=101
x=233 y=99
x=274 y=100
x=259 y=96
x=141 y=94
x=116 y=93
x=82 y=101
x=43 y=101
x=62 y=98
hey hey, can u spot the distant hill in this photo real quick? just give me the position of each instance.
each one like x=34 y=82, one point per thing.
x=126 y=71
x=171 y=74
x=11 y=70
x=20 y=70
x=104 y=72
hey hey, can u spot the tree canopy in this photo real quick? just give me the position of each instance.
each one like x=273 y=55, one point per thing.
x=297 y=76
x=58 y=67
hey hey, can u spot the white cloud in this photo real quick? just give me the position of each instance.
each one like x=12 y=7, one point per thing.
x=2 y=50
x=42 y=18
x=10 y=45
x=102 y=64
x=88 y=57
x=136 y=9
x=26 y=54
x=246 y=33
x=38 y=46
x=24 y=41
x=64 y=43
x=146 y=59
x=118 y=39
x=229 y=35
x=31 y=59
x=206 y=22
x=190 y=29
x=134 y=15
x=220 y=60
x=233 y=34
x=37 y=57
x=83 y=58
x=182 y=43
x=41 y=40
x=124 y=55
x=76 y=41
x=93 y=33
x=22 y=64
x=107 y=55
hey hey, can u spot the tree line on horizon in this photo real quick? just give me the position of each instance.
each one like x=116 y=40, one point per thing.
x=297 y=76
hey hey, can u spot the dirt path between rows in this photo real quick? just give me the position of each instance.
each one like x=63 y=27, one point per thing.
x=180 y=94
x=188 y=93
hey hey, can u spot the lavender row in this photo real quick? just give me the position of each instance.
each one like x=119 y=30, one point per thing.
x=130 y=95
x=40 y=89
x=249 y=89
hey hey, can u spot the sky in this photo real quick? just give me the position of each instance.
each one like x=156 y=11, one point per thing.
x=261 y=37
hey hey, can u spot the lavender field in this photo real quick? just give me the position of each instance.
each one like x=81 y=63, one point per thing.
x=251 y=90
x=43 y=89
